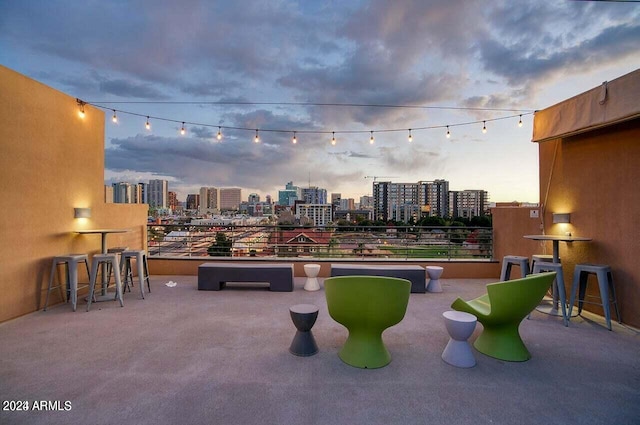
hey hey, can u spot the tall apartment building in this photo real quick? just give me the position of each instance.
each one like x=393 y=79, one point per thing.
x=122 y=193
x=230 y=198
x=468 y=203
x=314 y=195
x=209 y=200
x=390 y=199
x=347 y=204
x=433 y=198
x=158 y=194
x=319 y=214
x=289 y=195
x=335 y=200
x=193 y=201
x=141 y=193
x=366 y=202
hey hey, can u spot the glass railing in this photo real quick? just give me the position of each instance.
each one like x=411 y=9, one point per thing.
x=362 y=242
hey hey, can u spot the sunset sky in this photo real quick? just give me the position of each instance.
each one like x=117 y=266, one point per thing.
x=497 y=58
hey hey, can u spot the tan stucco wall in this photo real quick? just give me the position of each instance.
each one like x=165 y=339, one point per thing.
x=51 y=162
x=594 y=176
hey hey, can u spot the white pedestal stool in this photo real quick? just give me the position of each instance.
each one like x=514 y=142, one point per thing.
x=460 y=326
x=312 y=270
x=434 y=273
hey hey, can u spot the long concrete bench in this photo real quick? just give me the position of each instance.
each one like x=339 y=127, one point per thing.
x=214 y=276
x=415 y=274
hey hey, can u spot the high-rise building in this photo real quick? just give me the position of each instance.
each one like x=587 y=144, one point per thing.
x=335 y=200
x=433 y=198
x=268 y=199
x=209 y=200
x=254 y=198
x=390 y=199
x=289 y=195
x=314 y=195
x=468 y=203
x=347 y=204
x=230 y=198
x=193 y=201
x=173 y=200
x=158 y=193
x=122 y=193
x=141 y=193
x=366 y=202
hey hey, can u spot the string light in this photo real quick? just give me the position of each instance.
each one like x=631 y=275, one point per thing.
x=518 y=113
x=114 y=118
x=80 y=108
x=182 y=130
x=257 y=138
x=294 y=140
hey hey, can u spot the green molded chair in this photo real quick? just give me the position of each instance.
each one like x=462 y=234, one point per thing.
x=501 y=310
x=366 y=306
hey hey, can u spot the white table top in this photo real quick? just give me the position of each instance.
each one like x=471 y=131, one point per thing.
x=562 y=238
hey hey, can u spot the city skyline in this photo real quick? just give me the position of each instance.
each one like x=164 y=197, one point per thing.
x=271 y=65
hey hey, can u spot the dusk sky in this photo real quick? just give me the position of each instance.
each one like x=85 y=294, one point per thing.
x=511 y=57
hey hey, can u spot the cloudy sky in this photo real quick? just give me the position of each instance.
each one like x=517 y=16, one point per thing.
x=270 y=64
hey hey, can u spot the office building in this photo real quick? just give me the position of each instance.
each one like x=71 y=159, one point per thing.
x=314 y=195
x=230 y=198
x=193 y=201
x=289 y=195
x=318 y=214
x=209 y=200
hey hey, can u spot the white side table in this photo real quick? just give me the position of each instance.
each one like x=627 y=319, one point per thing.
x=434 y=273
x=460 y=326
x=312 y=270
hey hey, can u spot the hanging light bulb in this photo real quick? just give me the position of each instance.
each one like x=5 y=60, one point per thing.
x=219 y=136
x=182 y=130
x=147 y=125
x=410 y=136
x=257 y=138
x=333 y=138
x=114 y=118
x=520 y=122
x=295 y=139
x=448 y=132
x=484 y=126
x=80 y=108
x=371 y=139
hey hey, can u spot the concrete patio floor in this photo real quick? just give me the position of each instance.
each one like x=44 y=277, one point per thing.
x=193 y=357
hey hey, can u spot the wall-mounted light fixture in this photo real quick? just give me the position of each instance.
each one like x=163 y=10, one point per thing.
x=561 y=218
x=82 y=213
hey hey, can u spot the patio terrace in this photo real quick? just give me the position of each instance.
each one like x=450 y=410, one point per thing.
x=188 y=356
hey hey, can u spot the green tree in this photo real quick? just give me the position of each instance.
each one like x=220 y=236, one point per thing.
x=221 y=247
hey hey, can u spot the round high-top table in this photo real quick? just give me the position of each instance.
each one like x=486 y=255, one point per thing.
x=460 y=326
x=312 y=270
x=555 y=239
x=304 y=317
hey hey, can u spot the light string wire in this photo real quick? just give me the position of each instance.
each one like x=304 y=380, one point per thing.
x=517 y=113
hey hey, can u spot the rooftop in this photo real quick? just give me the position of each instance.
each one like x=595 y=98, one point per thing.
x=188 y=356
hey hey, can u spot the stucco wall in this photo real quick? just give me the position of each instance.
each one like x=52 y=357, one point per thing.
x=510 y=224
x=594 y=176
x=51 y=162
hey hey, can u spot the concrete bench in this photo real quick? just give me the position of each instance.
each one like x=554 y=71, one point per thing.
x=214 y=276
x=415 y=274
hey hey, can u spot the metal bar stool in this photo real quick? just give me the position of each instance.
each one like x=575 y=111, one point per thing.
x=71 y=263
x=548 y=258
x=510 y=260
x=143 y=269
x=110 y=260
x=558 y=290
x=605 y=283
x=118 y=250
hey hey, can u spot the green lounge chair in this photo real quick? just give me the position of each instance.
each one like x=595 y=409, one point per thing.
x=501 y=310
x=366 y=306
